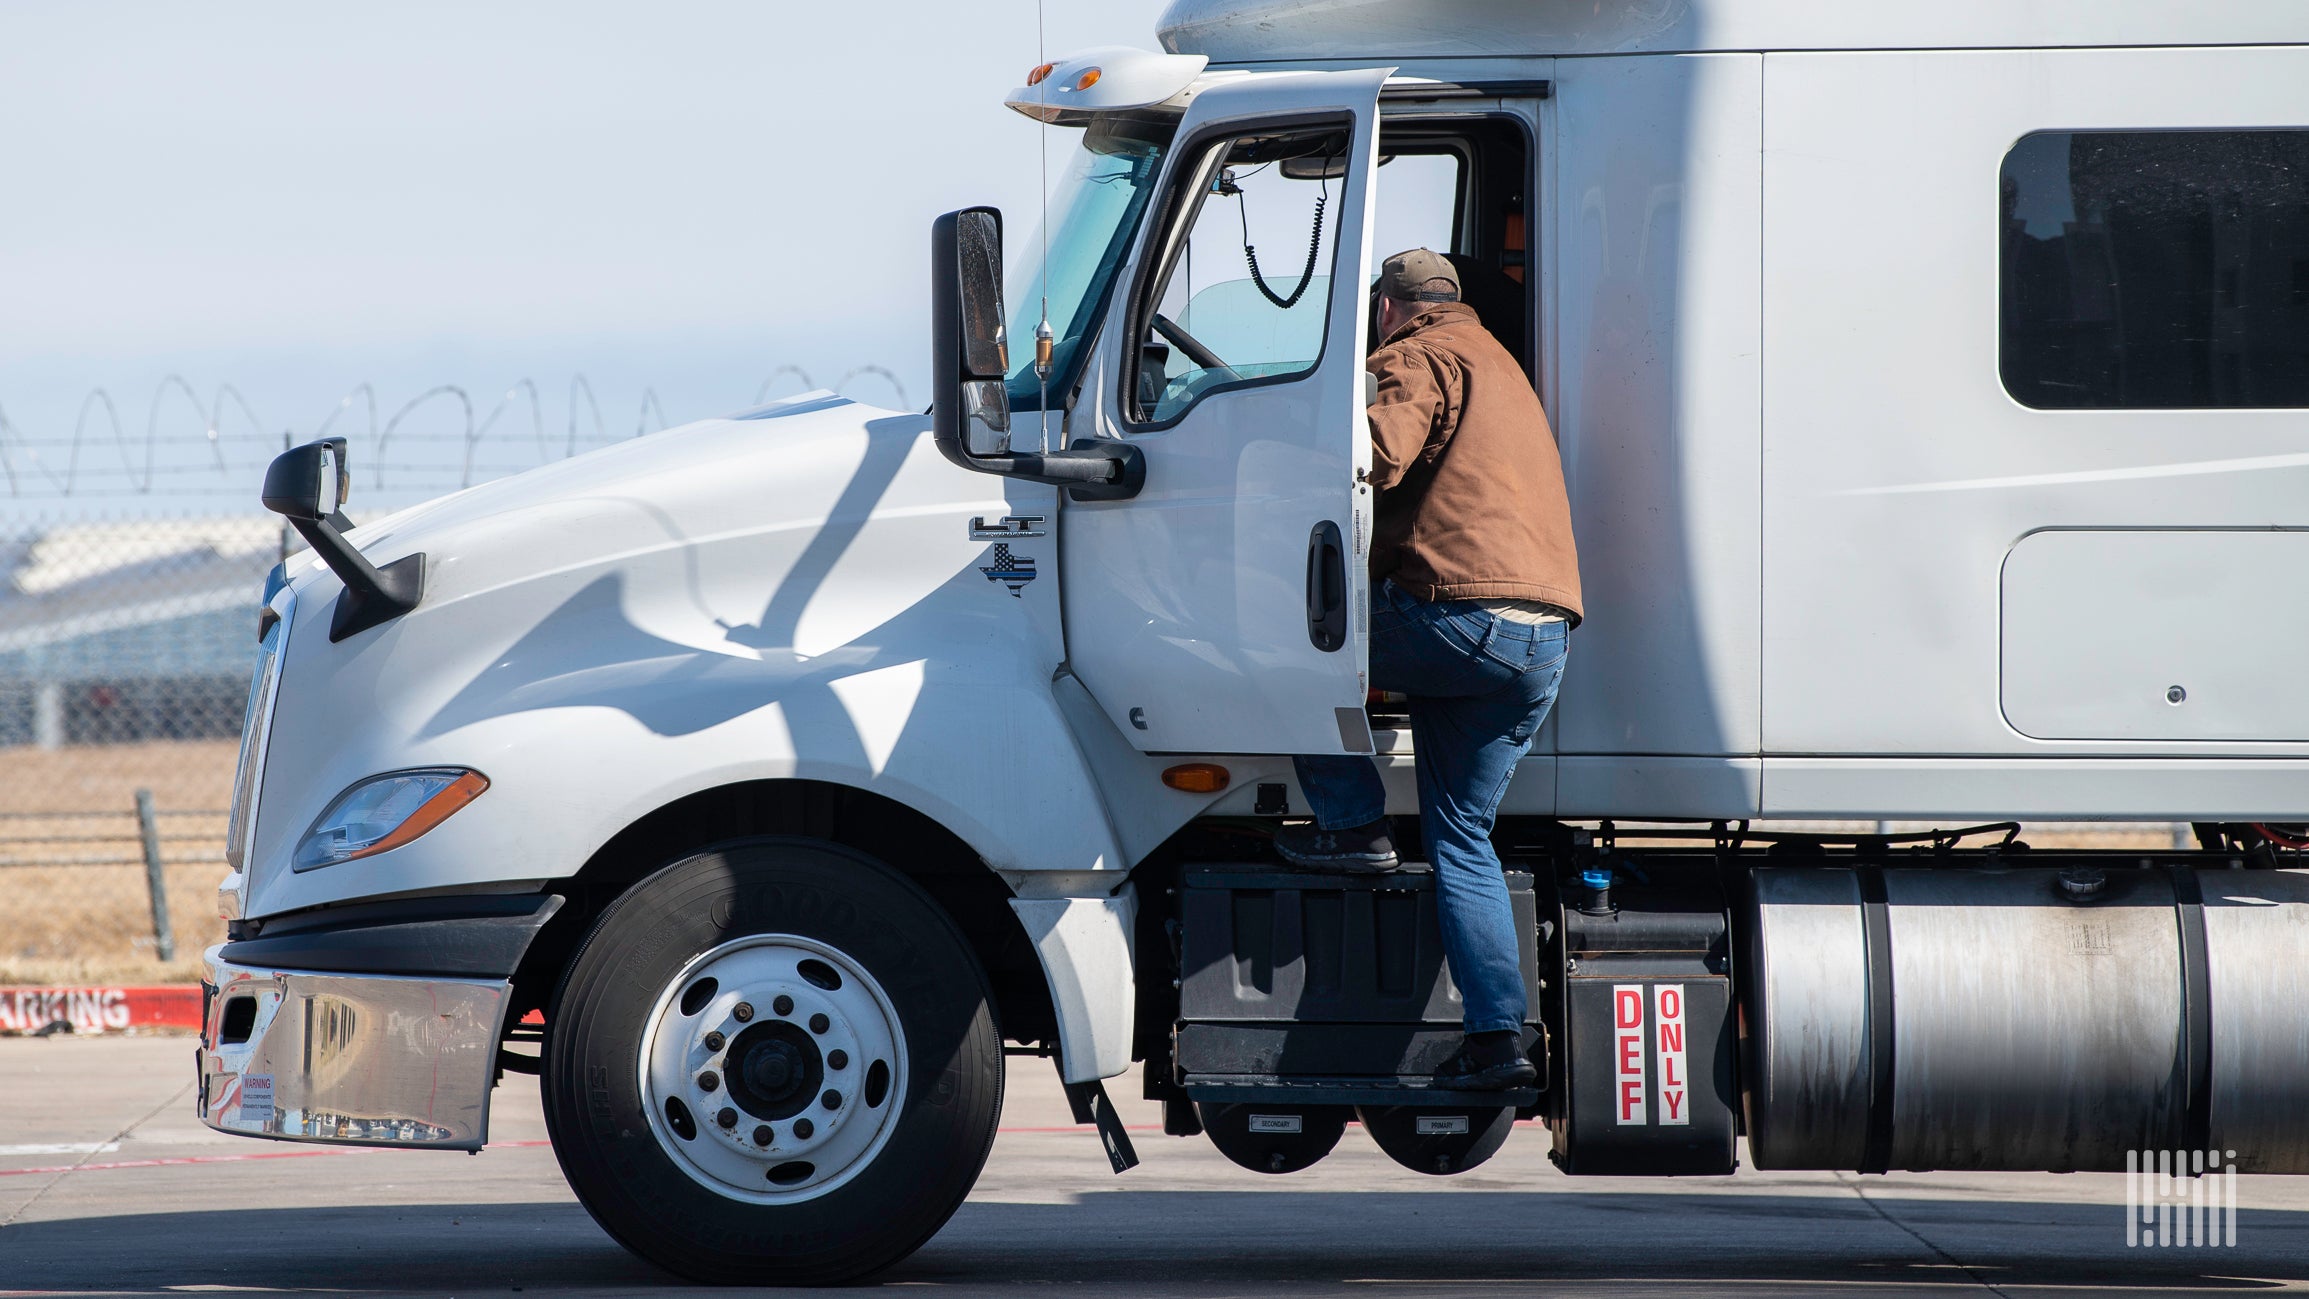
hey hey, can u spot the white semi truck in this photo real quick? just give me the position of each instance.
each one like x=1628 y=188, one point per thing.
x=1933 y=389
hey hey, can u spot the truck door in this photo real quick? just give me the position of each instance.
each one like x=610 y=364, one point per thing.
x=1223 y=609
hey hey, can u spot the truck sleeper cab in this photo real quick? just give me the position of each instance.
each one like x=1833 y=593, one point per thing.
x=1931 y=404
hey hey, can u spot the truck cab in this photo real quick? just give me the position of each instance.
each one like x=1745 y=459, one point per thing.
x=769 y=785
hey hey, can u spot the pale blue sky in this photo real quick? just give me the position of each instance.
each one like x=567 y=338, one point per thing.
x=295 y=198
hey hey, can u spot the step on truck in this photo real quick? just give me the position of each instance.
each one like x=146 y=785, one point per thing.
x=1932 y=393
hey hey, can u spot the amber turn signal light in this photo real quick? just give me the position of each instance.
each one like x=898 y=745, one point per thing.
x=1196 y=777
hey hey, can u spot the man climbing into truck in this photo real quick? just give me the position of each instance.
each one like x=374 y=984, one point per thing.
x=1475 y=587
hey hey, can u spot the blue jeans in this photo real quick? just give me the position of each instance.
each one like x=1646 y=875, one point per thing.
x=1479 y=685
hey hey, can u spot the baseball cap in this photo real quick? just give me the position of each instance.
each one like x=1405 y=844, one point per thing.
x=1419 y=275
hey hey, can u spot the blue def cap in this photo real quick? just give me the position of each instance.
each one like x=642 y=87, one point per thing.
x=1598 y=877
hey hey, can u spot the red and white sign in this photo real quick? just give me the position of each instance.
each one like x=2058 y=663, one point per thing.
x=1628 y=1051
x=98 y=1009
x=1675 y=1093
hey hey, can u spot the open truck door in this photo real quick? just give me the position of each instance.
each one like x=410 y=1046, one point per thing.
x=1223 y=608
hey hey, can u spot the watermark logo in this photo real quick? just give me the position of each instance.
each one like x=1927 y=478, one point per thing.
x=2180 y=1198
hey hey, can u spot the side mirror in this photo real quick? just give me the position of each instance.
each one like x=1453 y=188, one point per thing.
x=970 y=357
x=970 y=363
x=308 y=482
x=307 y=485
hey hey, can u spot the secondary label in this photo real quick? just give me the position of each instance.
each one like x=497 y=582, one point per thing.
x=1628 y=1050
x=1675 y=1093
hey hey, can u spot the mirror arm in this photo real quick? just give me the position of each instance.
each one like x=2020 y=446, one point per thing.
x=1101 y=469
x=372 y=595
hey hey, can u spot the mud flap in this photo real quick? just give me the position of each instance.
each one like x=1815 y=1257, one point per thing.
x=1092 y=1105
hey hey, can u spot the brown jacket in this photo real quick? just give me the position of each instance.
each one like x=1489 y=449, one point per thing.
x=1471 y=502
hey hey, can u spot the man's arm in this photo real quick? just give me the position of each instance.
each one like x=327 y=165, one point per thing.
x=1418 y=406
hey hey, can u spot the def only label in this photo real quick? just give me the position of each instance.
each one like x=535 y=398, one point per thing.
x=1648 y=1044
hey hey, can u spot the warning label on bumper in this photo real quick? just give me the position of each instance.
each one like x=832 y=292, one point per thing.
x=257 y=1098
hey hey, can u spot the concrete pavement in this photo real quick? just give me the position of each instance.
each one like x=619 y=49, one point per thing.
x=108 y=1185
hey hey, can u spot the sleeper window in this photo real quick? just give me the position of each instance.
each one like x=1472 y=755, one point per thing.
x=2156 y=269
x=1245 y=287
x=1418 y=204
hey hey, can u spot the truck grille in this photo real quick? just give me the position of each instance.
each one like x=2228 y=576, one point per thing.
x=256 y=728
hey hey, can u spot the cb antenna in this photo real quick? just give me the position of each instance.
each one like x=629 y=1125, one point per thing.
x=1043 y=337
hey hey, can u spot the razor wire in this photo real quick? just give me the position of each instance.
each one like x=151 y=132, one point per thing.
x=220 y=446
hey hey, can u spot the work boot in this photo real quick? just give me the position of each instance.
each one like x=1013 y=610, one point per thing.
x=1361 y=850
x=1488 y=1062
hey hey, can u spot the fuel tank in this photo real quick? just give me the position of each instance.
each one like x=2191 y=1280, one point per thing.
x=2024 y=1019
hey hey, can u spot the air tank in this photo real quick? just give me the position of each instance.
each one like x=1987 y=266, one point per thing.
x=2042 y=1019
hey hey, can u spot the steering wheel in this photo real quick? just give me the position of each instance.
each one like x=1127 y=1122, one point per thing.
x=1203 y=357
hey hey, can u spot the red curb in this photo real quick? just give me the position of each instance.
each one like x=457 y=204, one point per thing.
x=98 y=1008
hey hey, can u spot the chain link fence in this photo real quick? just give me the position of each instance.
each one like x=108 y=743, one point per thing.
x=125 y=652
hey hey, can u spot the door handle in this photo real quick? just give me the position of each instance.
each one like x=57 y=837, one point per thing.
x=1326 y=588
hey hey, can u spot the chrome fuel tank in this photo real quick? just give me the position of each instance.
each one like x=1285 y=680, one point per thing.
x=2025 y=1019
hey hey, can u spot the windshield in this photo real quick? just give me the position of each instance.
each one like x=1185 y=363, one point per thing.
x=1091 y=218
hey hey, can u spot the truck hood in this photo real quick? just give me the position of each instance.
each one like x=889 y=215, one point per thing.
x=801 y=591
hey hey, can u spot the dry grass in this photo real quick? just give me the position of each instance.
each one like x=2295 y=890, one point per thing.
x=105 y=777
x=93 y=923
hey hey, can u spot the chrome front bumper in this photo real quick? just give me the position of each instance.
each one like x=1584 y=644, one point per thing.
x=368 y=1060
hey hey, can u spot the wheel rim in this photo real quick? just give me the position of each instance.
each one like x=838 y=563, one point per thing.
x=773 y=1068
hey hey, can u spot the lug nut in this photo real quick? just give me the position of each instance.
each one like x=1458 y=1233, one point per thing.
x=819 y=1023
x=742 y=1012
x=837 y=1059
x=784 y=1005
x=763 y=1136
x=728 y=1118
x=715 y=1041
x=803 y=1128
x=709 y=1080
x=831 y=1100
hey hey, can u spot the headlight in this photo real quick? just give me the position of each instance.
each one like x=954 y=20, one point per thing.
x=384 y=812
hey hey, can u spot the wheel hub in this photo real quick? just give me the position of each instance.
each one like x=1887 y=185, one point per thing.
x=773 y=1068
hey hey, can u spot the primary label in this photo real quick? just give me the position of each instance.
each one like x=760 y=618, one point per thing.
x=1628 y=1050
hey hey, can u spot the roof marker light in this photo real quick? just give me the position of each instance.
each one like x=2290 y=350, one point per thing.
x=1035 y=77
x=1088 y=79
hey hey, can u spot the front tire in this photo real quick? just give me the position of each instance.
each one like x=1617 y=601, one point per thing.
x=773 y=1064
